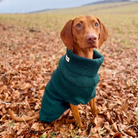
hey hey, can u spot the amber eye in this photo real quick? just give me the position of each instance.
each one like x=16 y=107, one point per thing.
x=96 y=24
x=79 y=25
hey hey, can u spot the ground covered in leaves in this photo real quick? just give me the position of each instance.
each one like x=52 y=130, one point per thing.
x=28 y=58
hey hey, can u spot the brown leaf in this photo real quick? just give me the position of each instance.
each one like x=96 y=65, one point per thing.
x=4 y=87
x=136 y=111
x=15 y=95
x=114 y=127
x=37 y=126
x=108 y=127
x=130 y=132
x=118 y=135
x=25 y=86
x=111 y=106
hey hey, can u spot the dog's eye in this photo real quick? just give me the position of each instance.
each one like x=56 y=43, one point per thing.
x=96 y=24
x=79 y=25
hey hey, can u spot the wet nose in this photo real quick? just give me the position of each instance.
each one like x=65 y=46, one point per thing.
x=91 y=38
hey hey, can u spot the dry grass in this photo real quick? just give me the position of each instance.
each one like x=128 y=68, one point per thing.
x=120 y=18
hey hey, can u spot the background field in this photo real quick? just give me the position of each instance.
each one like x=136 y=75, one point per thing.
x=30 y=48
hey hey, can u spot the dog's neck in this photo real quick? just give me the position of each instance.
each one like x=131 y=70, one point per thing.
x=86 y=53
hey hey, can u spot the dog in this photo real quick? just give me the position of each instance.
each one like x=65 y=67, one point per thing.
x=75 y=79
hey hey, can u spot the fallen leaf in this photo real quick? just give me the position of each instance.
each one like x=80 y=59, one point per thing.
x=37 y=126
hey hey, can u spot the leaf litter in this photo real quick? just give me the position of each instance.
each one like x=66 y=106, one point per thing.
x=27 y=61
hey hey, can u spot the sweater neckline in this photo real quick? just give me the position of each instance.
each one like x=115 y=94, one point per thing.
x=83 y=66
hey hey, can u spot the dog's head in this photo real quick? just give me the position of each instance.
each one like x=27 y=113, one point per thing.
x=85 y=31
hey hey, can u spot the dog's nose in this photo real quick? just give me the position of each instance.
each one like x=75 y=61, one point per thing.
x=91 y=38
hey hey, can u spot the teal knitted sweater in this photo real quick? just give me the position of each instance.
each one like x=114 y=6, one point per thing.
x=74 y=81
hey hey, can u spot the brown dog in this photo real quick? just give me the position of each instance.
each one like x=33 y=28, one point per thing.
x=81 y=35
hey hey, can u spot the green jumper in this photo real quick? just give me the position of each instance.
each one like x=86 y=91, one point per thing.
x=74 y=81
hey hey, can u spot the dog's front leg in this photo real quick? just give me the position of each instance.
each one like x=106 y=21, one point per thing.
x=75 y=111
x=93 y=106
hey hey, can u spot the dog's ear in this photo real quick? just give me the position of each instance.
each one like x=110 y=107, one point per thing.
x=66 y=35
x=103 y=33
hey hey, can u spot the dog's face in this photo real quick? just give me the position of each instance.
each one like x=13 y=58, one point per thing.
x=84 y=31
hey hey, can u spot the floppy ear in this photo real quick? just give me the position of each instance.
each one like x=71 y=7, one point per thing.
x=66 y=35
x=103 y=33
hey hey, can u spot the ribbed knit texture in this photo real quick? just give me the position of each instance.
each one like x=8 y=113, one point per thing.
x=74 y=81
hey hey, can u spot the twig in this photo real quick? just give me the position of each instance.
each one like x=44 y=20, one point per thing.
x=25 y=121
x=23 y=103
x=5 y=74
x=4 y=102
x=130 y=126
